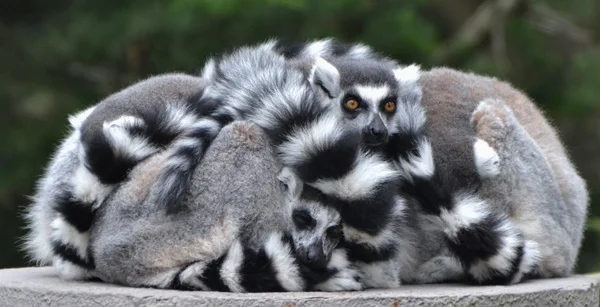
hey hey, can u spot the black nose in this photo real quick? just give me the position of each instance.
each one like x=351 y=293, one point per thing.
x=377 y=133
x=313 y=256
x=374 y=136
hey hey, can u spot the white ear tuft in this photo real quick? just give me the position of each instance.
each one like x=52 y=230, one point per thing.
x=209 y=69
x=486 y=159
x=292 y=182
x=76 y=120
x=325 y=77
x=408 y=74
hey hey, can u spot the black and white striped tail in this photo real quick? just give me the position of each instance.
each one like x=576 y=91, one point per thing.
x=488 y=244
x=186 y=153
x=273 y=268
x=69 y=236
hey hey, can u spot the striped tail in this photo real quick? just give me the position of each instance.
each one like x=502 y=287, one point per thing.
x=489 y=245
x=70 y=238
x=186 y=153
x=273 y=268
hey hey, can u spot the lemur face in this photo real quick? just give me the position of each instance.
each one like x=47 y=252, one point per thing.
x=371 y=109
x=376 y=98
x=316 y=229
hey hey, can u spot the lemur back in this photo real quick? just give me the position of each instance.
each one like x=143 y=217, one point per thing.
x=128 y=138
x=535 y=184
x=67 y=197
x=236 y=237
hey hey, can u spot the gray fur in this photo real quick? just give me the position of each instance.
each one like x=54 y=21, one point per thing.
x=40 y=215
x=137 y=246
x=67 y=163
x=537 y=187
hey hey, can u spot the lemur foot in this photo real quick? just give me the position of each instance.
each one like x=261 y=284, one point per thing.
x=492 y=120
x=347 y=277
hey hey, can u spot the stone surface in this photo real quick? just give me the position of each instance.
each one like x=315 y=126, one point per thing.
x=41 y=287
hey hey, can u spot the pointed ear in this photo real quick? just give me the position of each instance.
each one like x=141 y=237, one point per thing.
x=408 y=74
x=292 y=183
x=325 y=77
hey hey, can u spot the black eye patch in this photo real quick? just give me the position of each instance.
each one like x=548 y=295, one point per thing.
x=302 y=219
x=335 y=232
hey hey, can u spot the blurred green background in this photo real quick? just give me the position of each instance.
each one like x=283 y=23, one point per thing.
x=60 y=56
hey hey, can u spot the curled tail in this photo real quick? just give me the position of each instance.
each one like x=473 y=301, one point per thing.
x=489 y=244
x=272 y=268
x=186 y=153
x=63 y=207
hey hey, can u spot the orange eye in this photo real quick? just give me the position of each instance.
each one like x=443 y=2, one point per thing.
x=390 y=106
x=351 y=104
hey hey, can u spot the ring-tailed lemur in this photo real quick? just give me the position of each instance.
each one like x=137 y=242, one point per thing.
x=67 y=196
x=237 y=237
x=457 y=186
x=576 y=187
x=121 y=134
x=502 y=189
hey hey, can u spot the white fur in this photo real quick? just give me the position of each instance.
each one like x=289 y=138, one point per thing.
x=422 y=165
x=307 y=141
x=408 y=74
x=373 y=94
x=468 y=210
x=88 y=188
x=209 y=70
x=510 y=242
x=327 y=74
x=368 y=172
x=179 y=117
x=77 y=119
x=410 y=117
x=359 y=51
x=231 y=266
x=317 y=48
x=344 y=279
x=486 y=159
x=67 y=234
x=284 y=264
x=206 y=123
x=123 y=143
x=69 y=271
x=531 y=257
x=189 y=276
x=270 y=114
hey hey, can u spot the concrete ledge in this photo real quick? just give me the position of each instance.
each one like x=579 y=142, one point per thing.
x=40 y=287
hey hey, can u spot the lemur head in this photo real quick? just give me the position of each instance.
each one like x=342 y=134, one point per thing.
x=374 y=96
x=316 y=229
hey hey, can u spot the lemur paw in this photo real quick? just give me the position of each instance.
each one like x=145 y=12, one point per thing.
x=491 y=121
x=346 y=279
x=487 y=160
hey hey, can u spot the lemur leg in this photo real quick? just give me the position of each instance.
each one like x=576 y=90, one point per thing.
x=526 y=191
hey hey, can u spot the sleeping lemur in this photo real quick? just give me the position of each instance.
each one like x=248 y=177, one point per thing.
x=297 y=118
x=483 y=267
